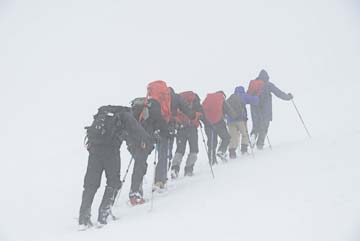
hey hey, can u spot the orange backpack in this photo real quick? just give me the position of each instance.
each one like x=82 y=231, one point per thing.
x=181 y=118
x=256 y=87
x=159 y=91
x=213 y=107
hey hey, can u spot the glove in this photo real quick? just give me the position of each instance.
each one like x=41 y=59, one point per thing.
x=290 y=96
x=147 y=146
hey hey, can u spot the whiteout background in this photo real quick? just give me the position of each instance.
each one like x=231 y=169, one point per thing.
x=60 y=60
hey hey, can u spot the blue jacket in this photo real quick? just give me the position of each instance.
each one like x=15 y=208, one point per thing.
x=243 y=99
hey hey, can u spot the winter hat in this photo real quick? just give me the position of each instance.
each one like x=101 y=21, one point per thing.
x=239 y=90
x=263 y=75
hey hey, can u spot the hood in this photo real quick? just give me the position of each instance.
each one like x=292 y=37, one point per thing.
x=172 y=92
x=263 y=75
x=239 y=90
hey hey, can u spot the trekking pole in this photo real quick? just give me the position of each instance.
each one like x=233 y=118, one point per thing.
x=251 y=145
x=152 y=190
x=268 y=140
x=207 y=153
x=169 y=154
x=298 y=112
x=123 y=181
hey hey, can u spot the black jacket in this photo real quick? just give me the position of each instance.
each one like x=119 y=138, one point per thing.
x=155 y=121
x=114 y=124
x=134 y=134
x=179 y=103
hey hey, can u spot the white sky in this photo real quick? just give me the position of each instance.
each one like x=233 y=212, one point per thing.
x=61 y=57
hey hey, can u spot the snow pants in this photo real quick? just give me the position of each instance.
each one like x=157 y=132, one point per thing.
x=236 y=129
x=262 y=133
x=212 y=133
x=162 y=165
x=101 y=158
x=140 y=166
x=184 y=136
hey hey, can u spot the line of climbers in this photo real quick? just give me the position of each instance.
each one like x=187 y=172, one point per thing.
x=158 y=119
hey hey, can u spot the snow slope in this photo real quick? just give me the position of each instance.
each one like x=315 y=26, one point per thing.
x=60 y=60
x=301 y=190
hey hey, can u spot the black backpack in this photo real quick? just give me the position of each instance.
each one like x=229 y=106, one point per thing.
x=105 y=126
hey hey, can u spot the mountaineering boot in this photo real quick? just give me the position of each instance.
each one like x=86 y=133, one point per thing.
x=232 y=153
x=222 y=156
x=175 y=172
x=189 y=171
x=136 y=198
x=244 y=149
x=260 y=147
x=85 y=208
x=105 y=206
x=159 y=186
x=84 y=220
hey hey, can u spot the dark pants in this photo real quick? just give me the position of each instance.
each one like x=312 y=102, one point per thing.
x=184 y=135
x=101 y=158
x=262 y=133
x=140 y=166
x=260 y=125
x=162 y=165
x=219 y=129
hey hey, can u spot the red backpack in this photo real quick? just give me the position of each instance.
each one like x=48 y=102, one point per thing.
x=159 y=91
x=189 y=97
x=213 y=107
x=256 y=87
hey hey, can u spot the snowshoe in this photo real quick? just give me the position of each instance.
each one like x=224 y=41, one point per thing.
x=113 y=217
x=102 y=218
x=136 y=199
x=159 y=187
x=85 y=226
x=100 y=225
x=85 y=222
x=222 y=156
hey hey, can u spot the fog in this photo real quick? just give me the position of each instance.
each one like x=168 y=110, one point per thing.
x=61 y=60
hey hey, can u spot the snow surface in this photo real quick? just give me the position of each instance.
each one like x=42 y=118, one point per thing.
x=60 y=60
